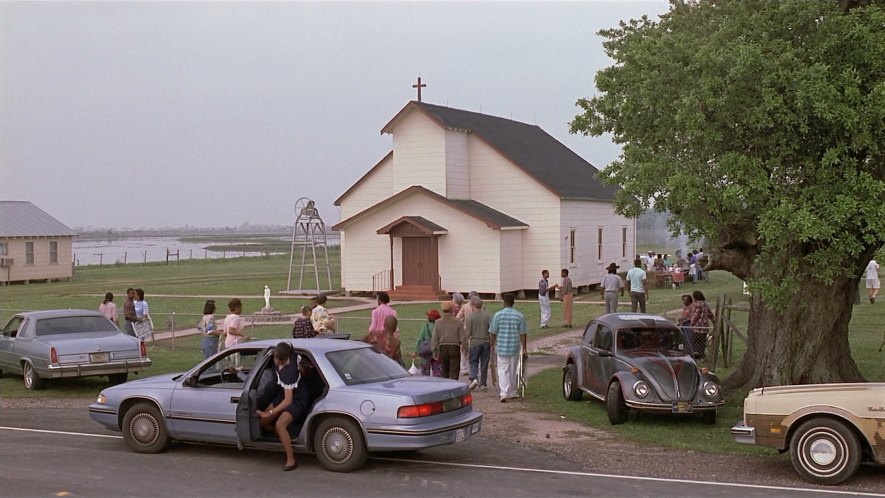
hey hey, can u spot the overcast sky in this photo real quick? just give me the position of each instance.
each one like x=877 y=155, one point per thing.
x=214 y=114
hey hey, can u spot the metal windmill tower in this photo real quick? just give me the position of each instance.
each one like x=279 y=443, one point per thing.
x=308 y=233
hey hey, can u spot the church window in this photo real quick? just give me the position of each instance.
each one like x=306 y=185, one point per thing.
x=599 y=243
x=571 y=246
x=624 y=242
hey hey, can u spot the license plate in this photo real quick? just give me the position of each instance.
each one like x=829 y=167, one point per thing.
x=99 y=357
x=682 y=407
x=459 y=435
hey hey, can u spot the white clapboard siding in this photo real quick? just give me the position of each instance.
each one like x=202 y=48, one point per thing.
x=587 y=217
x=457 y=165
x=419 y=147
x=374 y=188
x=498 y=183
x=511 y=260
x=469 y=255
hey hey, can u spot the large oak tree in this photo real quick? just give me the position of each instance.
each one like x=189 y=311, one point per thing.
x=760 y=125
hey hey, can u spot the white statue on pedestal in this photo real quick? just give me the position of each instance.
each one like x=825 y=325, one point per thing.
x=266 y=297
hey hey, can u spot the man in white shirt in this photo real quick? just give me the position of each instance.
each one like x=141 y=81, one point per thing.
x=610 y=287
x=638 y=287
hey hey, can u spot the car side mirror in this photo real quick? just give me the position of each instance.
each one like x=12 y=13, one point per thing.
x=191 y=381
x=604 y=354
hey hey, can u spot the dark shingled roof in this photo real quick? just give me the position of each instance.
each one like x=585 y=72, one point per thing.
x=489 y=215
x=540 y=155
x=23 y=219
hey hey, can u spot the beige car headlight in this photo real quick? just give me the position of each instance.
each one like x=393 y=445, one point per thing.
x=102 y=399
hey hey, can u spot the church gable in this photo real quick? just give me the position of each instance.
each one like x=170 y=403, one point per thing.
x=375 y=185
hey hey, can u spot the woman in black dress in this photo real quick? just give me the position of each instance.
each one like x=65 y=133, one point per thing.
x=283 y=410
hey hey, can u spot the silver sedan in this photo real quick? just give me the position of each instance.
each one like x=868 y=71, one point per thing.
x=367 y=403
x=53 y=344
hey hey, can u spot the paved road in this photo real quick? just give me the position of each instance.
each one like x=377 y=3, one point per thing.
x=89 y=461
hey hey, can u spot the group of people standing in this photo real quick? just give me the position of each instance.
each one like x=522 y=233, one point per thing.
x=566 y=295
x=470 y=330
x=231 y=333
x=135 y=309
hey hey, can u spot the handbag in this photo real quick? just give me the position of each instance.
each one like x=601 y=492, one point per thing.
x=144 y=328
x=424 y=348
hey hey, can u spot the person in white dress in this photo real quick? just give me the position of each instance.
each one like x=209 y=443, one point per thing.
x=872 y=273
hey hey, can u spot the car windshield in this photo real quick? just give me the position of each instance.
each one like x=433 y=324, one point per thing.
x=364 y=365
x=74 y=325
x=648 y=340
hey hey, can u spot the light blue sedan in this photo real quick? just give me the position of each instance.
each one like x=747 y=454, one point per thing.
x=368 y=403
x=53 y=344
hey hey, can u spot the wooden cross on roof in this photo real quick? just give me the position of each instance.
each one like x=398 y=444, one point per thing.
x=419 y=86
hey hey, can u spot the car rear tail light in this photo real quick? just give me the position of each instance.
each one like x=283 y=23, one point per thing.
x=53 y=355
x=142 y=349
x=435 y=408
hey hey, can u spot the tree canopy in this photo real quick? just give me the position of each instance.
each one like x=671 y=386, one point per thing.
x=760 y=126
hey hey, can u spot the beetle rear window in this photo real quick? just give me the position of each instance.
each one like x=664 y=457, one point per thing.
x=74 y=325
x=365 y=365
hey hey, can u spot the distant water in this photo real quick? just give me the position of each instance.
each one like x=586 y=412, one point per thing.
x=147 y=249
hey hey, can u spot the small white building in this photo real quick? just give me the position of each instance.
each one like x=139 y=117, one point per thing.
x=467 y=201
x=33 y=245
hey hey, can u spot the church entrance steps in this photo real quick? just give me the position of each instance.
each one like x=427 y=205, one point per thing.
x=416 y=293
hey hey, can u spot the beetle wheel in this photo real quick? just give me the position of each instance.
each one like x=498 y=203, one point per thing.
x=615 y=405
x=570 y=389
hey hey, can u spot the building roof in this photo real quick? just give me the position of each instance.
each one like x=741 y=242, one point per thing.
x=492 y=218
x=374 y=168
x=23 y=219
x=423 y=225
x=540 y=155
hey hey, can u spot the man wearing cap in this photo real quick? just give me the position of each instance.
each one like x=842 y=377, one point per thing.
x=610 y=286
x=449 y=339
x=508 y=339
x=638 y=287
x=477 y=326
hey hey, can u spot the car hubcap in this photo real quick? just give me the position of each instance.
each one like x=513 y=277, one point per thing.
x=144 y=429
x=567 y=385
x=337 y=445
x=29 y=379
x=823 y=452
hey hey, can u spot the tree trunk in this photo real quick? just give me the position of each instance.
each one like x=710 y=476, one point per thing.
x=806 y=343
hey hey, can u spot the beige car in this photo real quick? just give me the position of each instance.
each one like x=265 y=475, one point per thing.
x=827 y=428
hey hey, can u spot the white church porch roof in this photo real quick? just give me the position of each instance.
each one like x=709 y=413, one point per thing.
x=492 y=218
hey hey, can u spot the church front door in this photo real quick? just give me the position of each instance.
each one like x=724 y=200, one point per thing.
x=419 y=262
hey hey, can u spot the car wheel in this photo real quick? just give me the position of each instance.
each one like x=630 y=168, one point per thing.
x=825 y=451
x=144 y=429
x=709 y=417
x=32 y=379
x=614 y=404
x=118 y=378
x=339 y=445
x=570 y=389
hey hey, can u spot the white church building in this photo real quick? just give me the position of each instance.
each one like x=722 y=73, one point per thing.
x=467 y=201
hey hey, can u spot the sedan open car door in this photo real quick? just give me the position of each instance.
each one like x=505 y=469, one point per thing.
x=261 y=380
x=204 y=403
